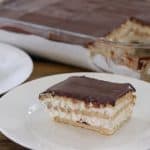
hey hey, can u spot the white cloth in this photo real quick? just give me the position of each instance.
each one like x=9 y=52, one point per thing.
x=65 y=53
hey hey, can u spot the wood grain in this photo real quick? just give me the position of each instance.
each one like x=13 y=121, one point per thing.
x=41 y=68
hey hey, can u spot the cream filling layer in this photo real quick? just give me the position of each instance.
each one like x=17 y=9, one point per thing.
x=110 y=124
x=131 y=31
x=68 y=103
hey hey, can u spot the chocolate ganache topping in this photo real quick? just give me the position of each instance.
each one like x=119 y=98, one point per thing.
x=90 y=90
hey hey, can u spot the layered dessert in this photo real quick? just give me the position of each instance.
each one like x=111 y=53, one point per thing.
x=84 y=21
x=133 y=49
x=118 y=20
x=97 y=105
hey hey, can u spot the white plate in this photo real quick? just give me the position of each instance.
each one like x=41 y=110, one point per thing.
x=15 y=67
x=24 y=120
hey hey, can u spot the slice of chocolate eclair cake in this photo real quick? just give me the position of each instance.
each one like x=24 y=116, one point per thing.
x=90 y=103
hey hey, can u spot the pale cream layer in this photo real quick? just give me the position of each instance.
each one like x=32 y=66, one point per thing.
x=72 y=104
x=116 y=115
x=131 y=31
x=99 y=122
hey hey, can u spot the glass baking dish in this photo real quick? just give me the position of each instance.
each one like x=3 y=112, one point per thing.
x=117 y=56
x=33 y=18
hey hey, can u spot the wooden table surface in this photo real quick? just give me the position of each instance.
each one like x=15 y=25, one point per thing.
x=41 y=68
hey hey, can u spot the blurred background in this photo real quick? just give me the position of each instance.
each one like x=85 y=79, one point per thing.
x=44 y=37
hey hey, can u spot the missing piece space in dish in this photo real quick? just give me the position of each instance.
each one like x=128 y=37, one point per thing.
x=90 y=103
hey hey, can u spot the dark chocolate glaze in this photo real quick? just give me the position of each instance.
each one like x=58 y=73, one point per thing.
x=90 y=90
x=92 y=17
